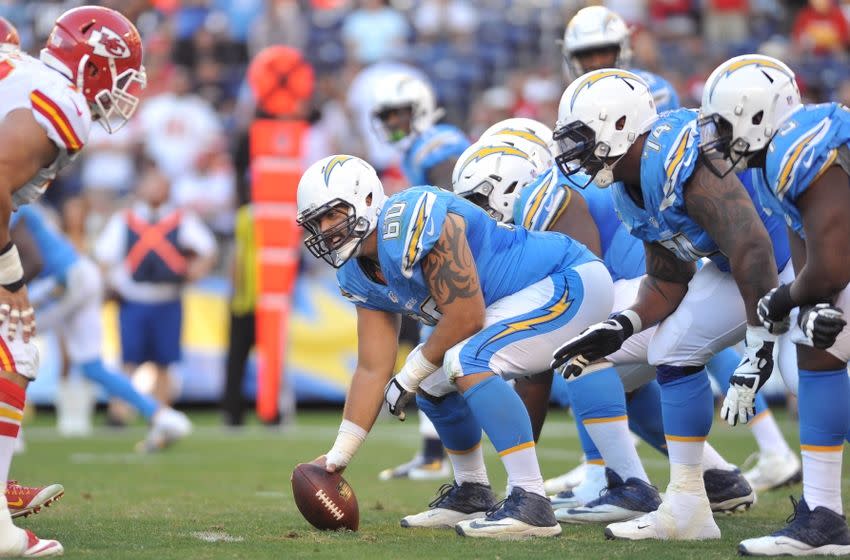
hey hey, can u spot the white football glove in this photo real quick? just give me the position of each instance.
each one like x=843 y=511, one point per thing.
x=751 y=374
x=402 y=387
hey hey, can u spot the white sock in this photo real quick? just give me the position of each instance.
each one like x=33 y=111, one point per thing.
x=593 y=484
x=469 y=466
x=768 y=436
x=426 y=427
x=524 y=470
x=686 y=479
x=822 y=479
x=711 y=459
x=614 y=441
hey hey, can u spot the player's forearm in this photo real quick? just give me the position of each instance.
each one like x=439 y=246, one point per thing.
x=657 y=299
x=365 y=397
x=820 y=280
x=754 y=270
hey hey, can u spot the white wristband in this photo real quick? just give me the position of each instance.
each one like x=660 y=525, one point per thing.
x=348 y=440
x=11 y=270
x=416 y=368
x=634 y=318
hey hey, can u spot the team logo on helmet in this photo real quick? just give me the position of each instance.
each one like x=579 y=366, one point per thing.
x=108 y=43
x=334 y=162
x=481 y=153
x=756 y=61
x=601 y=75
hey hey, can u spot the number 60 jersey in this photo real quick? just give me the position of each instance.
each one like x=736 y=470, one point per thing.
x=668 y=160
x=57 y=106
x=508 y=259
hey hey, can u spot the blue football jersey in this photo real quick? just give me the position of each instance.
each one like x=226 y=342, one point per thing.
x=666 y=98
x=57 y=252
x=543 y=201
x=430 y=148
x=508 y=258
x=805 y=147
x=668 y=160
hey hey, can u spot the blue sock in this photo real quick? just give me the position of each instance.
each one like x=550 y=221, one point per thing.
x=644 y=408
x=596 y=395
x=687 y=403
x=458 y=429
x=119 y=386
x=824 y=413
x=501 y=413
x=721 y=367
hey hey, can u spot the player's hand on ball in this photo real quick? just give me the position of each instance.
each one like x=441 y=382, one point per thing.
x=17 y=313
x=330 y=465
x=751 y=374
x=594 y=343
x=397 y=396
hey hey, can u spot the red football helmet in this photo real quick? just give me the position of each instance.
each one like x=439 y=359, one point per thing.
x=101 y=52
x=8 y=33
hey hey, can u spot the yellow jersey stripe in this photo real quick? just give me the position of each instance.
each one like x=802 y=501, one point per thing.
x=605 y=420
x=15 y=415
x=685 y=439
x=680 y=153
x=58 y=119
x=416 y=234
x=823 y=448
x=552 y=312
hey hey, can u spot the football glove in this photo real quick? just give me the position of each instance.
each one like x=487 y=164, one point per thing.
x=402 y=387
x=774 y=308
x=397 y=397
x=751 y=374
x=821 y=324
x=594 y=343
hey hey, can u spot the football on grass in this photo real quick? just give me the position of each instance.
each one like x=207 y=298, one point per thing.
x=325 y=499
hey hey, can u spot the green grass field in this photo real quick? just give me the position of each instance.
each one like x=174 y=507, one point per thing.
x=232 y=488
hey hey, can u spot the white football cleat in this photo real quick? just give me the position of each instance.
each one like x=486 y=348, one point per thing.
x=774 y=470
x=418 y=469
x=683 y=517
x=521 y=515
x=566 y=481
x=455 y=503
x=30 y=546
x=167 y=427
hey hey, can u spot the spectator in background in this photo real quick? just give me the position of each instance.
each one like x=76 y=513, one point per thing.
x=725 y=21
x=177 y=127
x=440 y=20
x=207 y=189
x=820 y=28
x=284 y=23
x=149 y=252
x=491 y=106
x=375 y=31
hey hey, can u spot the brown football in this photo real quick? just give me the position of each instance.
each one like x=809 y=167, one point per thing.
x=325 y=499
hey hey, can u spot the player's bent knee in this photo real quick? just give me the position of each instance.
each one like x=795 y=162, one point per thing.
x=667 y=373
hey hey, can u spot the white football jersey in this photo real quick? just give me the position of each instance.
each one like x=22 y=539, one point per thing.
x=26 y=82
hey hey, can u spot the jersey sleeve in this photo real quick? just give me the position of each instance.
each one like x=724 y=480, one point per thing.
x=62 y=118
x=412 y=225
x=446 y=142
x=678 y=165
x=542 y=203
x=803 y=155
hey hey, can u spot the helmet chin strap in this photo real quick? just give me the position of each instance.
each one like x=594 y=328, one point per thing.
x=605 y=176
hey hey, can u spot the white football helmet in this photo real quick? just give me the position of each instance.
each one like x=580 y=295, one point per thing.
x=745 y=101
x=492 y=172
x=600 y=116
x=532 y=135
x=404 y=91
x=347 y=185
x=595 y=27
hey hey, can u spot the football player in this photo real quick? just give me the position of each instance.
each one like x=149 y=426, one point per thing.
x=596 y=38
x=75 y=315
x=498 y=298
x=90 y=69
x=751 y=116
x=513 y=190
x=608 y=127
x=405 y=114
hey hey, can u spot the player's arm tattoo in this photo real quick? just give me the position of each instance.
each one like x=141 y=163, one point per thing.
x=723 y=208
x=664 y=286
x=449 y=267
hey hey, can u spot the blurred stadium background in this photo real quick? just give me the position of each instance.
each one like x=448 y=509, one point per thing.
x=487 y=59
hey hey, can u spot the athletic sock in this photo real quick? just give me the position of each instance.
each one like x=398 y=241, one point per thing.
x=12 y=400
x=768 y=436
x=643 y=406
x=460 y=433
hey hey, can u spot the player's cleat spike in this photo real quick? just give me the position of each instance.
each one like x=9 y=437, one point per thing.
x=566 y=481
x=773 y=470
x=26 y=500
x=418 y=469
x=519 y=516
x=685 y=517
x=167 y=427
x=39 y=548
x=455 y=502
x=818 y=532
x=589 y=489
x=621 y=501
x=728 y=491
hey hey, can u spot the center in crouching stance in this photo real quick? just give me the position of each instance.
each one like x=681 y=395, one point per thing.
x=500 y=298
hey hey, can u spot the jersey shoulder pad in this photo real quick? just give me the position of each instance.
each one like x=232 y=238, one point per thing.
x=353 y=284
x=436 y=144
x=802 y=150
x=542 y=202
x=669 y=157
x=663 y=92
x=64 y=115
x=410 y=225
